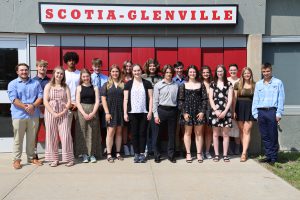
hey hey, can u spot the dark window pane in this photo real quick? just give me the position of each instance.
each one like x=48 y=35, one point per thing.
x=5 y=121
x=8 y=62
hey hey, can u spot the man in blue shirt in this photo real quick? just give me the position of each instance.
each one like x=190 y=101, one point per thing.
x=43 y=79
x=25 y=95
x=267 y=108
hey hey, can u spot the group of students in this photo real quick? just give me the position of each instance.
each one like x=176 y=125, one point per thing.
x=129 y=100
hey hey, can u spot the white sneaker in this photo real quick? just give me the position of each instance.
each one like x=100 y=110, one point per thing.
x=126 y=150
x=131 y=150
x=93 y=159
x=85 y=158
x=208 y=156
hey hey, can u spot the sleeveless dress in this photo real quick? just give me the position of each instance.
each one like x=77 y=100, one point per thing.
x=57 y=128
x=193 y=102
x=220 y=97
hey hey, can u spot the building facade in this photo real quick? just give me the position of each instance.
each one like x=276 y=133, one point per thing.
x=264 y=31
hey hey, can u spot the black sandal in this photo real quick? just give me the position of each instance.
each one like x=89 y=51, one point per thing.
x=201 y=159
x=216 y=158
x=188 y=161
x=226 y=159
x=119 y=157
x=109 y=158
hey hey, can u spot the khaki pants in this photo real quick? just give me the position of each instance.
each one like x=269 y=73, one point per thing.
x=20 y=127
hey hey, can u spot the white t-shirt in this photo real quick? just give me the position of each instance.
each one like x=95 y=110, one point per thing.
x=72 y=80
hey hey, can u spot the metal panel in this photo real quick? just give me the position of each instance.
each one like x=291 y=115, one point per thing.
x=166 y=56
x=165 y=41
x=96 y=52
x=190 y=56
x=119 y=55
x=211 y=41
x=235 y=56
x=48 y=40
x=96 y=41
x=32 y=40
x=72 y=41
x=50 y=54
x=142 y=41
x=141 y=55
x=119 y=41
x=212 y=57
x=32 y=58
x=189 y=42
x=235 y=41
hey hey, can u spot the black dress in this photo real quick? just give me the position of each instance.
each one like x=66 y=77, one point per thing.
x=192 y=102
x=220 y=97
x=114 y=98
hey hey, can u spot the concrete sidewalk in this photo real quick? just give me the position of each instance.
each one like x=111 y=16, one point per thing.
x=126 y=180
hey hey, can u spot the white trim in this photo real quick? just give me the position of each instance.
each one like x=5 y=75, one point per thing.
x=292 y=110
x=277 y=39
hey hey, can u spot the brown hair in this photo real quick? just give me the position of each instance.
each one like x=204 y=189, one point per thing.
x=266 y=65
x=42 y=62
x=97 y=61
x=110 y=81
x=21 y=64
x=224 y=79
x=86 y=72
x=209 y=71
x=63 y=81
x=168 y=67
x=124 y=67
x=187 y=72
x=151 y=61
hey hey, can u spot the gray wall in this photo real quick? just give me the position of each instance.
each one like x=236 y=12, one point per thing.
x=283 y=17
x=21 y=16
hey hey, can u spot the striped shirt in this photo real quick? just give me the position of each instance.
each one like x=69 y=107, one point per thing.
x=268 y=95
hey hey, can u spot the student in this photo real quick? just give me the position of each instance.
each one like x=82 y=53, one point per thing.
x=25 y=95
x=206 y=79
x=112 y=99
x=179 y=75
x=192 y=103
x=151 y=69
x=43 y=79
x=220 y=98
x=267 y=108
x=138 y=111
x=165 y=111
x=72 y=75
x=98 y=80
x=234 y=131
x=127 y=76
x=57 y=100
x=87 y=126
x=243 y=92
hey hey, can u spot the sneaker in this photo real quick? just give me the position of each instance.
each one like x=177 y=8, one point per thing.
x=208 y=156
x=93 y=159
x=142 y=158
x=136 y=158
x=85 y=158
x=131 y=150
x=126 y=150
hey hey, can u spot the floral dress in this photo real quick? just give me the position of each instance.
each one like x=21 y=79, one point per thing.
x=220 y=98
x=192 y=102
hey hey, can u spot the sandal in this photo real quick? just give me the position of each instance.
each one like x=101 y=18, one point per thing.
x=200 y=160
x=109 y=158
x=190 y=160
x=243 y=158
x=226 y=159
x=119 y=157
x=216 y=158
x=54 y=163
x=69 y=164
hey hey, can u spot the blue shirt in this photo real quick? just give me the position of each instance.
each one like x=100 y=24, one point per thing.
x=99 y=79
x=178 y=80
x=42 y=81
x=27 y=92
x=268 y=95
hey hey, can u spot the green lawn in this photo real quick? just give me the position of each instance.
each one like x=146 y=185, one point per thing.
x=287 y=167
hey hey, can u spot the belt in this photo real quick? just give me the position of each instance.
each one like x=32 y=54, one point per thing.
x=267 y=108
x=167 y=107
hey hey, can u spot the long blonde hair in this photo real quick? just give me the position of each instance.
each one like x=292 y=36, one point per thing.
x=110 y=81
x=63 y=81
x=242 y=81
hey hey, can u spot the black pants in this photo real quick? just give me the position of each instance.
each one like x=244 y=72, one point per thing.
x=138 y=124
x=167 y=115
x=268 y=129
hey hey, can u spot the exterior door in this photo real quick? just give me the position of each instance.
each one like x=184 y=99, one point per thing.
x=12 y=52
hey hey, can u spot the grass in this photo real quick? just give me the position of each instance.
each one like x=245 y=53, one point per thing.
x=287 y=167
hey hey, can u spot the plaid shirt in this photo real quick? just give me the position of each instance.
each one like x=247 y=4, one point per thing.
x=268 y=95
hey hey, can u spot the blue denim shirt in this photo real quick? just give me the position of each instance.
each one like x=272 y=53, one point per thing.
x=27 y=92
x=99 y=80
x=268 y=95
